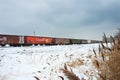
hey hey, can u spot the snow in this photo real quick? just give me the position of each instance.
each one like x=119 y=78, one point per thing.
x=45 y=62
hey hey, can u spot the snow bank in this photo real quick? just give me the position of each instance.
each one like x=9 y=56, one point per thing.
x=45 y=62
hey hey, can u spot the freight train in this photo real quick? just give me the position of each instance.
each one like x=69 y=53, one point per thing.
x=18 y=40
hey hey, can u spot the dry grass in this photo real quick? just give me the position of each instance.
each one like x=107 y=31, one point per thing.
x=109 y=66
x=69 y=74
x=75 y=63
x=107 y=61
x=36 y=78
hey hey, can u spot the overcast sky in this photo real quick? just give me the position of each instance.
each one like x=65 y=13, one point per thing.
x=86 y=19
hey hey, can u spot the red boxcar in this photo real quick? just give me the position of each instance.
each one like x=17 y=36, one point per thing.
x=37 y=40
x=9 y=39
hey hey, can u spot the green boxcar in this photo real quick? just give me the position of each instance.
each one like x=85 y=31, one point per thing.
x=75 y=41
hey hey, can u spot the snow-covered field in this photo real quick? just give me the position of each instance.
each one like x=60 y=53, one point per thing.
x=45 y=62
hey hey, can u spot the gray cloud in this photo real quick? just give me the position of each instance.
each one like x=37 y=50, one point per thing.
x=60 y=18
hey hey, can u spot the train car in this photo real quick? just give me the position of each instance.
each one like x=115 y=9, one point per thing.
x=95 y=41
x=75 y=41
x=83 y=41
x=17 y=40
x=11 y=40
x=28 y=40
x=61 y=41
x=3 y=39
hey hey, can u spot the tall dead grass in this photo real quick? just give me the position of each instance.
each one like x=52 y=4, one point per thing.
x=108 y=63
x=69 y=74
